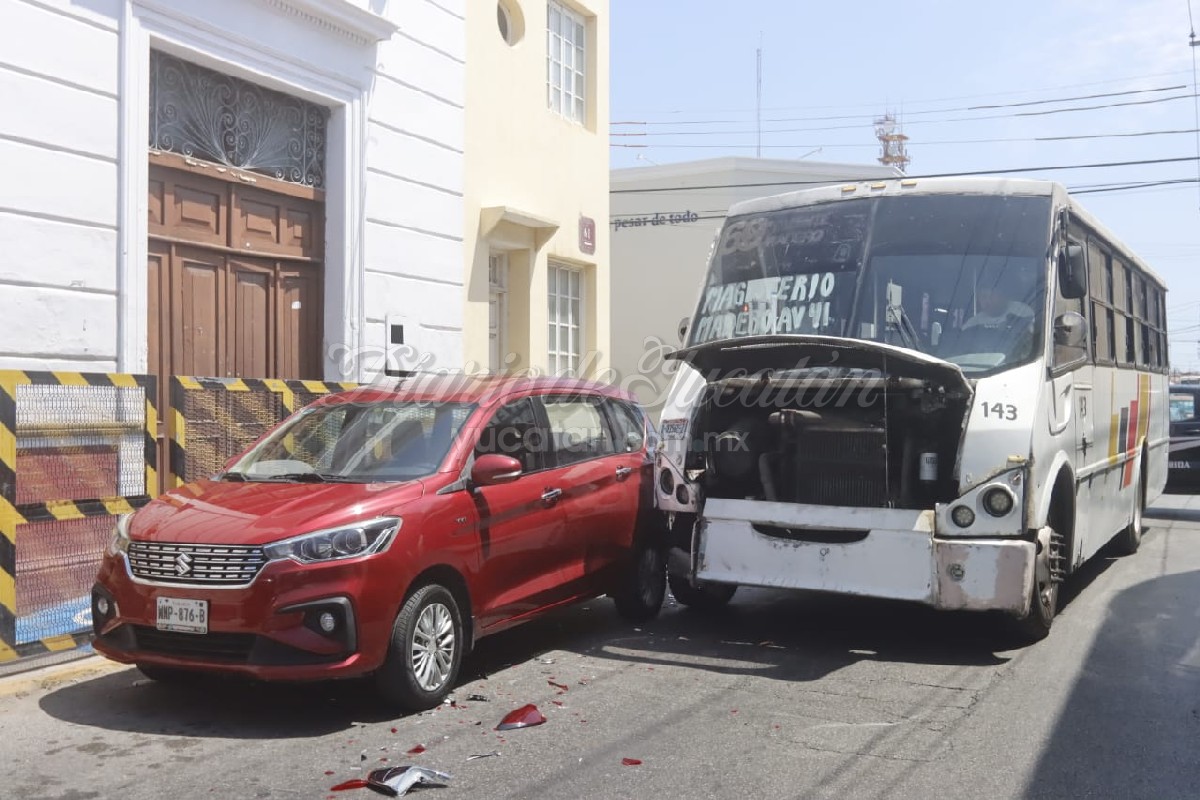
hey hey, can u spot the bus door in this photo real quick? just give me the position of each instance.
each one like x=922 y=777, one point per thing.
x=1072 y=371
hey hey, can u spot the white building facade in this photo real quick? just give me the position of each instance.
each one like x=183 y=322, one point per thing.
x=663 y=223
x=249 y=188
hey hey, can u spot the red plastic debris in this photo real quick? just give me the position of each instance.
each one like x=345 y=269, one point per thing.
x=557 y=702
x=524 y=717
x=416 y=750
x=631 y=762
x=395 y=730
x=328 y=772
x=353 y=783
x=733 y=711
x=562 y=686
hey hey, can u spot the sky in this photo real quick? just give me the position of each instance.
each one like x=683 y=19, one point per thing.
x=683 y=87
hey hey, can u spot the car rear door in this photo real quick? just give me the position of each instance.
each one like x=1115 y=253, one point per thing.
x=600 y=490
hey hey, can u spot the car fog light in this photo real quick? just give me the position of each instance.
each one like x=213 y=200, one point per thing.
x=666 y=481
x=327 y=622
x=102 y=606
x=997 y=501
x=963 y=517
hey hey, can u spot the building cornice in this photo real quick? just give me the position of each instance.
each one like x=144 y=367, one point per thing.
x=346 y=18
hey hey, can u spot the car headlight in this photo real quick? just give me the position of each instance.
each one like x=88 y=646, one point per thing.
x=351 y=541
x=120 y=541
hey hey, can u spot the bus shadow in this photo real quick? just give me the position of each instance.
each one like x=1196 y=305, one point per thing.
x=1129 y=727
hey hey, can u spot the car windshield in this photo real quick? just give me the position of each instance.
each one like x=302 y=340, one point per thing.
x=961 y=277
x=356 y=442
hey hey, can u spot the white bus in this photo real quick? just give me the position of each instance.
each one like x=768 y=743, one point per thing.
x=950 y=391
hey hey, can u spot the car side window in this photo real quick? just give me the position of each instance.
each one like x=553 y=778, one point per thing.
x=513 y=431
x=578 y=430
x=629 y=426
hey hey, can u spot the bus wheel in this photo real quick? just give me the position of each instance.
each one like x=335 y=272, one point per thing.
x=1129 y=539
x=1043 y=605
x=710 y=597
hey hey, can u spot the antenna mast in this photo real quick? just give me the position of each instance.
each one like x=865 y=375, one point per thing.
x=758 y=105
x=893 y=150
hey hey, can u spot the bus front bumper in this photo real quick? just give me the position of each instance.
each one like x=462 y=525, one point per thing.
x=871 y=552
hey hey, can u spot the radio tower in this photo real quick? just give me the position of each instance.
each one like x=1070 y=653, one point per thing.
x=893 y=151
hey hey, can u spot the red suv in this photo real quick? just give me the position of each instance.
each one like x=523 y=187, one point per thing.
x=383 y=530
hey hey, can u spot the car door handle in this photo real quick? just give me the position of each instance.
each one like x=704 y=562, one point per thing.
x=550 y=497
x=624 y=472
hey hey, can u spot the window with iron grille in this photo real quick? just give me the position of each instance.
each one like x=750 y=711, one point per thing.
x=201 y=113
x=565 y=293
x=566 y=54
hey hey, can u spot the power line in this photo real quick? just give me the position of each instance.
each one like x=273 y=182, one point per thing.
x=910 y=113
x=911 y=103
x=1074 y=137
x=916 y=122
x=1143 y=162
x=643 y=218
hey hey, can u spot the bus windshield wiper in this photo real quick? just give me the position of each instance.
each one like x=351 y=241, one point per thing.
x=897 y=317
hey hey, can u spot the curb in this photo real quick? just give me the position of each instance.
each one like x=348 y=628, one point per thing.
x=52 y=676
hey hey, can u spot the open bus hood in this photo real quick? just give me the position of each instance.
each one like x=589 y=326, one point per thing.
x=748 y=355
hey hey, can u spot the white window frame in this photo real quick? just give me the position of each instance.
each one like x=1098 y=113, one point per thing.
x=565 y=361
x=498 y=294
x=566 y=62
x=144 y=26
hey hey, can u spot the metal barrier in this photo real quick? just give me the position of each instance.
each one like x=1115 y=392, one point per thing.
x=76 y=449
x=214 y=419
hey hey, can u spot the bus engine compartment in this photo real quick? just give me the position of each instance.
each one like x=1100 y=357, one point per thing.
x=850 y=437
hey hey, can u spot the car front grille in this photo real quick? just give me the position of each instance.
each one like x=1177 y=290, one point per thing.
x=206 y=564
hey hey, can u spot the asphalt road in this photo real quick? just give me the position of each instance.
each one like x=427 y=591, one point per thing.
x=783 y=696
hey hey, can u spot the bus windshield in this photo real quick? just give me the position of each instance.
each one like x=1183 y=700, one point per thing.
x=961 y=277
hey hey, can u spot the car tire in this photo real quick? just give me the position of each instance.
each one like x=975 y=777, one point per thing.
x=425 y=650
x=708 y=598
x=1129 y=539
x=642 y=586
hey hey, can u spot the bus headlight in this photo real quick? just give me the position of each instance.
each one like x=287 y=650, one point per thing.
x=998 y=501
x=962 y=516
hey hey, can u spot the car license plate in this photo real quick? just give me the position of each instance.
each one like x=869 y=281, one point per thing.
x=186 y=616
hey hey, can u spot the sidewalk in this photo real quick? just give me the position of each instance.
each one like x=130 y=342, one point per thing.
x=47 y=672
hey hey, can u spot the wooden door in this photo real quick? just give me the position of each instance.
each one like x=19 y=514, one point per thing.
x=235 y=275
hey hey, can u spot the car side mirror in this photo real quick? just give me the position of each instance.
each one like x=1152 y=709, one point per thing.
x=1072 y=269
x=633 y=441
x=1069 y=329
x=494 y=469
x=683 y=329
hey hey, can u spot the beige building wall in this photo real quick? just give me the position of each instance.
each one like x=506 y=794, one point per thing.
x=531 y=177
x=663 y=223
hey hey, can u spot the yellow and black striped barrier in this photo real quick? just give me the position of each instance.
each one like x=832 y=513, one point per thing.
x=74 y=448
x=214 y=419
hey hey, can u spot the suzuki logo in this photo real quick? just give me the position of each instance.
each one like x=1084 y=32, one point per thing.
x=183 y=563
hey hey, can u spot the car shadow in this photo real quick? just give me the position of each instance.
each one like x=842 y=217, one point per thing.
x=1130 y=724
x=785 y=635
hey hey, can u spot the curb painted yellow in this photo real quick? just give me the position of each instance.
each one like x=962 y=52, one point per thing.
x=50 y=677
